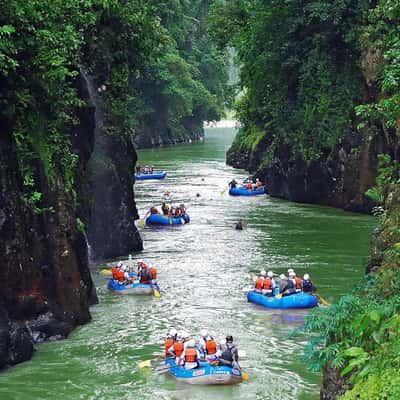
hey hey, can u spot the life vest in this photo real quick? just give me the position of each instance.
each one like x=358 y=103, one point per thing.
x=267 y=284
x=121 y=276
x=290 y=284
x=114 y=271
x=178 y=212
x=178 y=348
x=297 y=282
x=191 y=355
x=211 y=346
x=145 y=276
x=259 y=283
x=227 y=353
x=153 y=273
x=259 y=184
x=168 y=343
x=250 y=186
x=307 y=286
x=154 y=211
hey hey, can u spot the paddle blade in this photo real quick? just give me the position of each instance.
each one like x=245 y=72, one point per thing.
x=322 y=300
x=145 y=364
x=141 y=222
x=156 y=293
x=245 y=376
x=223 y=192
x=162 y=369
x=105 y=272
x=279 y=296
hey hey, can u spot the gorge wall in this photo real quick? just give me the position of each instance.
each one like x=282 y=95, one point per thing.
x=306 y=69
x=81 y=86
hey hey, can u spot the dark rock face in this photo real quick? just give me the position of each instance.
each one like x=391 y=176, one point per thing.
x=155 y=134
x=106 y=196
x=333 y=385
x=45 y=284
x=339 y=179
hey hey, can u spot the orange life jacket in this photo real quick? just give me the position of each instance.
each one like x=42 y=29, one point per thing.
x=259 y=184
x=178 y=348
x=211 y=346
x=168 y=343
x=267 y=284
x=190 y=354
x=250 y=186
x=121 y=276
x=259 y=283
x=153 y=272
x=114 y=271
x=298 y=282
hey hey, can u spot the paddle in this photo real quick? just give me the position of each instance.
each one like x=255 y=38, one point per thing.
x=141 y=222
x=224 y=191
x=162 y=369
x=106 y=271
x=245 y=376
x=156 y=292
x=149 y=363
x=322 y=300
x=145 y=364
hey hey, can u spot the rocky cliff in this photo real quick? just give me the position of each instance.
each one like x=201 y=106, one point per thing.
x=45 y=283
x=106 y=199
x=339 y=178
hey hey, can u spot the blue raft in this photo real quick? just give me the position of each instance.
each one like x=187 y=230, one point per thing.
x=242 y=191
x=205 y=374
x=132 y=288
x=154 y=175
x=158 y=219
x=297 y=300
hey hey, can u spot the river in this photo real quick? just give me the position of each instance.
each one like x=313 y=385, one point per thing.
x=203 y=270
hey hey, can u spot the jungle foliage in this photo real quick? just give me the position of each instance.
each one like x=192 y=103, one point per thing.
x=303 y=88
x=300 y=71
x=151 y=57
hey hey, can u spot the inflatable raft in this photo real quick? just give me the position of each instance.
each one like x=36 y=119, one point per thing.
x=154 y=175
x=205 y=374
x=132 y=288
x=297 y=300
x=242 y=191
x=158 y=219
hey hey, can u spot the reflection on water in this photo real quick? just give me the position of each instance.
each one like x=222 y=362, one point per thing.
x=203 y=268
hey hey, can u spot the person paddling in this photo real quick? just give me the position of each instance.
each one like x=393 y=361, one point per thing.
x=307 y=285
x=190 y=356
x=228 y=353
x=169 y=341
x=208 y=345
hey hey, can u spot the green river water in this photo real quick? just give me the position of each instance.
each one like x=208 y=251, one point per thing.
x=203 y=271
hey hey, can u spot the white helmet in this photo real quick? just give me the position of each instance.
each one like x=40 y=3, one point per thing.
x=120 y=264
x=282 y=276
x=184 y=335
x=173 y=332
x=270 y=274
x=191 y=343
x=292 y=273
x=306 y=277
x=263 y=273
x=123 y=268
x=203 y=333
x=290 y=270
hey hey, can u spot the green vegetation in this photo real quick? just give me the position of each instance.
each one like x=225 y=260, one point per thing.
x=303 y=64
x=360 y=335
x=154 y=60
x=299 y=71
